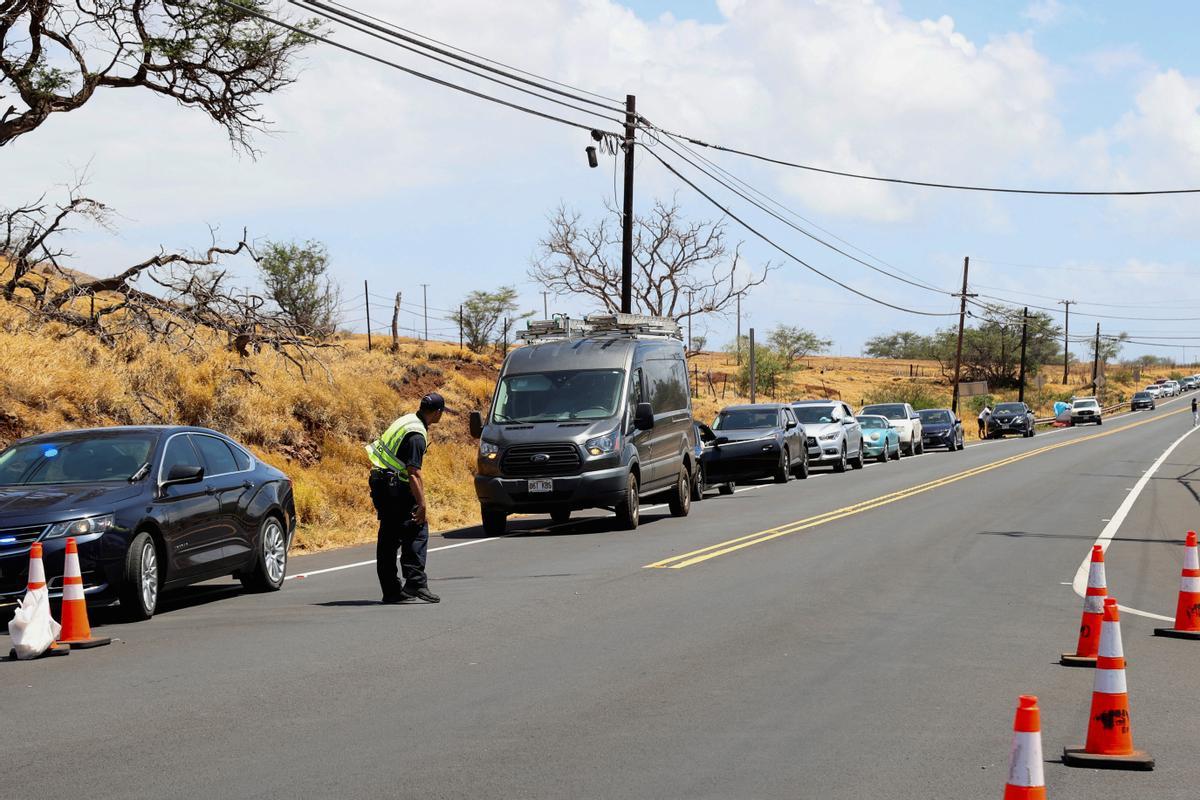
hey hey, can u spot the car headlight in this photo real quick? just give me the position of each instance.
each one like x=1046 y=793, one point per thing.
x=829 y=437
x=601 y=445
x=874 y=437
x=81 y=527
x=488 y=450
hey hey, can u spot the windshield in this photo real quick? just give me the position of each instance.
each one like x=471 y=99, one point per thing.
x=1085 y=403
x=76 y=459
x=740 y=419
x=896 y=411
x=1142 y=395
x=813 y=415
x=934 y=416
x=555 y=396
x=1010 y=408
x=872 y=422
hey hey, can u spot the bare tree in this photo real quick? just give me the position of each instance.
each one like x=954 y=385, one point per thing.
x=672 y=259
x=56 y=54
x=191 y=298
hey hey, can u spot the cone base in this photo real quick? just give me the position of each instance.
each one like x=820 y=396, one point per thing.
x=1078 y=757
x=1175 y=633
x=84 y=644
x=56 y=649
x=1072 y=660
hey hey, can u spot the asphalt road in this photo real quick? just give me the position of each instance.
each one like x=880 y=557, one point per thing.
x=850 y=636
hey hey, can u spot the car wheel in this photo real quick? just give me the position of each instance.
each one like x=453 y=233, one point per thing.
x=840 y=464
x=495 y=520
x=561 y=515
x=142 y=579
x=1099 y=422
x=699 y=484
x=920 y=446
x=629 y=509
x=681 y=499
x=783 y=471
x=727 y=488
x=857 y=462
x=801 y=471
x=270 y=565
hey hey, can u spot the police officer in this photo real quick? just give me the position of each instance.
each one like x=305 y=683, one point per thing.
x=398 y=493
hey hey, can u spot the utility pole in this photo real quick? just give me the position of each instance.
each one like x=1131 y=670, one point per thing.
x=367 y=301
x=1024 y=337
x=753 y=377
x=627 y=208
x=1066 y=304
x=689 y=347
x=396 y=324
x=962 y=320
x=425 y=300
x=460 y=329
x=737 y=342
x=545 y=305
x=1096 y=359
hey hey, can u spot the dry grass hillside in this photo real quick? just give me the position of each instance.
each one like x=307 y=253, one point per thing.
x=315 y=429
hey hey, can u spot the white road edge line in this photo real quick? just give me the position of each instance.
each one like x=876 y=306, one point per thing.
x=1079 y=585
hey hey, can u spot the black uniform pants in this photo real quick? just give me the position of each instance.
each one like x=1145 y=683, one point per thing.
x=397 y=533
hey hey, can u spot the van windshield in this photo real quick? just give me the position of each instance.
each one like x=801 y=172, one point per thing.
x=559 y=395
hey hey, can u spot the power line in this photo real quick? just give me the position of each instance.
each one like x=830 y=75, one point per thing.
x=787 y=253
x=1186 y=303
x=423 y=76
x=907 y=182
x=1019 y=265
x=1094 y=316
x=390 y=37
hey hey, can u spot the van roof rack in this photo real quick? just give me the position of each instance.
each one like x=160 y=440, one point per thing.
x=599 y=324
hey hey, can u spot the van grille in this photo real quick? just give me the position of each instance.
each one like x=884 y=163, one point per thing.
x=561 y=459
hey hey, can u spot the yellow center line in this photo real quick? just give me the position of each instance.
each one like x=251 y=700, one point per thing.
x=741 y=542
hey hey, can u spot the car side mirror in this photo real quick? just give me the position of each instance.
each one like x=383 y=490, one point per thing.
x=720 y=440
x=475 y=422
x=791 y=425
x=848 y=421
x=643 y=417
x=182 y=473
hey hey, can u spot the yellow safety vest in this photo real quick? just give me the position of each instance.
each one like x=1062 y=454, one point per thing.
x=383 y=450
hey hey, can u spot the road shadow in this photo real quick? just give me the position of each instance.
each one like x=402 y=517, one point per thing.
x=1091 y=537
x=169 y=602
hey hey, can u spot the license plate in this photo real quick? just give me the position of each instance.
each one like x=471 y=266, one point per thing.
x=541 y=486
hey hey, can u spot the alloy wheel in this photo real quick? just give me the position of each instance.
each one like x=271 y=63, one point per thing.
x=274 y=551
x=149 y=576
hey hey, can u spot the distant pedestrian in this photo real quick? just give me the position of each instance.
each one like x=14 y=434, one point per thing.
x=1195 y=413
x=398 y=494
x=984 y=416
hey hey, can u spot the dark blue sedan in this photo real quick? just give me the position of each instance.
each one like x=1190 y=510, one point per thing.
x=151 y=508
x=940 y=427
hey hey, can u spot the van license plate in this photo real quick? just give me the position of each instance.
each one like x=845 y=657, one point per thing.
x=541 y=486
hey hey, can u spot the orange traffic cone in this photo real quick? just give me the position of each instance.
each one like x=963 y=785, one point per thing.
x=1187 y=612
x=1093 y=612
x=1026 y=780
x=1110 y=735
x=36 y=583
x=75 y=628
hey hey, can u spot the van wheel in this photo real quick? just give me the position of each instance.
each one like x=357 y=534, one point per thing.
x=629 y=509
x=726 y=488
x=495 y=520
x=681 y=499
x=698 y=484
x=783 y=472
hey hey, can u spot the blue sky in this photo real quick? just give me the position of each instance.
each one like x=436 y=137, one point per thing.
x=408 y=184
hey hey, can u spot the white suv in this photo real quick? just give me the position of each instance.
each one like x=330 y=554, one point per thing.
x=1172 y=388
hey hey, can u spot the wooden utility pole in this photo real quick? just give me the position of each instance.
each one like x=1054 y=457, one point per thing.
x=1066 y=304
x=425 y=300
x=1096 y=359
x=460 y=328
x=367 y=301
x=1024 y=338
x=545 y=305
x=689 y=347
x=627 y=208
x=396 y=324
x=753 y=377
x=737 y=342
x=962 y=321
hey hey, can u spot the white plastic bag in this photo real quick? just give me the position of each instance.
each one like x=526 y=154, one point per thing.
x=32 y=628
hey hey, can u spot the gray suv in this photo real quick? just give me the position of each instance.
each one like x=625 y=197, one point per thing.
x=597 y=415
x=832 y=434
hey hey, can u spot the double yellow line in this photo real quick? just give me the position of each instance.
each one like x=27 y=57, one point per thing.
x=749 y=540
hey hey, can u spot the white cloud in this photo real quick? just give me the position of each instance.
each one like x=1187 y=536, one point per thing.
x=1044 y=12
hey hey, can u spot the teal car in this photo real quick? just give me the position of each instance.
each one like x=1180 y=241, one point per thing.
x=880 y=440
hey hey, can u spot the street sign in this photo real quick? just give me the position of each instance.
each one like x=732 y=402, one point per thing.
x=1100 y=381
x=1039 y=382
x=972 y=389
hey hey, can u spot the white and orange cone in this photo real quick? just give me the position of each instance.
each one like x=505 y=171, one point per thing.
x=1110 y=733
x=76 y=630
x=1026 y=776
x=1093 y=614
x=1187 y=611
x=32 y=624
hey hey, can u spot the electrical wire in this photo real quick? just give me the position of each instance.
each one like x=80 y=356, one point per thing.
x=1091 y=315
x=373 y=30
x=807 y=233
x=1018 y=265
x=423 y=76
x=784 y=251
x=927 y=184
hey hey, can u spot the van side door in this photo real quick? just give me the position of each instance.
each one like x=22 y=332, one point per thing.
x=641 y=440
x=666 y=379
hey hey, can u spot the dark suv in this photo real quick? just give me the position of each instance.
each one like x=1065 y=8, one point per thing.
x=597 y=416
x=1009 y=418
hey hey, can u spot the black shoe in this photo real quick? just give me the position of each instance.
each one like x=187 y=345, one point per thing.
x=422 y=593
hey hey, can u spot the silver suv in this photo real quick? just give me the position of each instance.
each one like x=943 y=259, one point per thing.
x=832 y=433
